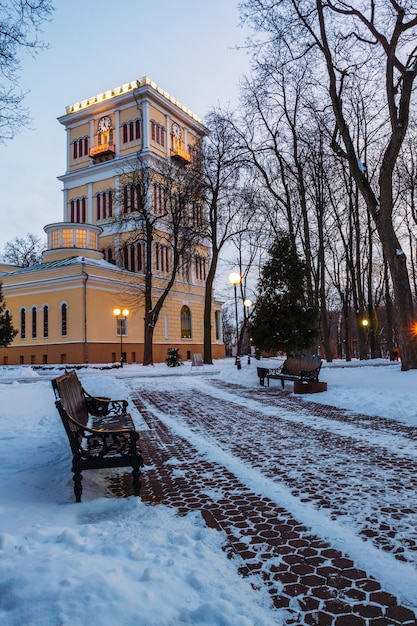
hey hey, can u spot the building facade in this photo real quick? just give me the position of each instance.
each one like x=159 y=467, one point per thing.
x=97 y=258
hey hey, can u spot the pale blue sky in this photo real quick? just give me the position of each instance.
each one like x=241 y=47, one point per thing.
x=188 y=47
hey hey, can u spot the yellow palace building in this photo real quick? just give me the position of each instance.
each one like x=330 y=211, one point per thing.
x=64 y=307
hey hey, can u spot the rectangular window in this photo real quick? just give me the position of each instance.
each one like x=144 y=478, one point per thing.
x=122 y=326
x=218 y=323
x=81 y=238
x=55 y=239
x=67 y=238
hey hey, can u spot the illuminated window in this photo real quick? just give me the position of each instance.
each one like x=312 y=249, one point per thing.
x=55 y=239
x=81 y=238
x=67 y=238
x=93 y=238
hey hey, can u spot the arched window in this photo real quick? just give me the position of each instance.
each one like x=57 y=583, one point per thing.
x=45 y=321
x=34 y=322
x=64 y=310
x=185 y=322
x=23 y=324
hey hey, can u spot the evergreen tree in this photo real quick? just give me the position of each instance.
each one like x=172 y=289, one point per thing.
x=7 y=332
x=283 y=321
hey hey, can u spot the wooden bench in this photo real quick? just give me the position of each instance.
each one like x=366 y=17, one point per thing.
x=303 y=370
x=100 y=431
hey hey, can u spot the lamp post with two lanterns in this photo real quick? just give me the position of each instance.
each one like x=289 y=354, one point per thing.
x=121 y=316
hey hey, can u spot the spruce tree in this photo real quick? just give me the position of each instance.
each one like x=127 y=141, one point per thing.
x=283 y=321
x=7 y=332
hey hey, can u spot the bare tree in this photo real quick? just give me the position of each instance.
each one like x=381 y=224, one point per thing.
x=376 y=46
x=20 y=22
x=23 y=251
x=161 y=218
x=230 y=201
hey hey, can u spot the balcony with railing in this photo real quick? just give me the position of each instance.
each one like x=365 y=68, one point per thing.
x=102 y=150
x=180 y=154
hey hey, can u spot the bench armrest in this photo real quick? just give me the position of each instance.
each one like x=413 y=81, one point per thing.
x=100 y=407
x=90 y=441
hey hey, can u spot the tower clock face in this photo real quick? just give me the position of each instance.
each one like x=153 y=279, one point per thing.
x=176 y=131
x=104 y=124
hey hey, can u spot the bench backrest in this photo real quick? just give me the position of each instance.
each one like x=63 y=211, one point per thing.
x=69 y=391
x=294 y=365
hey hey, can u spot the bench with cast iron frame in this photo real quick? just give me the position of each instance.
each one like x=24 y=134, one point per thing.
x=100 y=431
x=302 y=370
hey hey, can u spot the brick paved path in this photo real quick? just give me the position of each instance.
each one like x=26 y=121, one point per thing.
x=335 y=461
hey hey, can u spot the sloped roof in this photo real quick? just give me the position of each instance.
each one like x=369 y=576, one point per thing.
x=68 y=262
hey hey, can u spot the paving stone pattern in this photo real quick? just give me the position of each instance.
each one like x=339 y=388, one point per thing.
x=309 y=581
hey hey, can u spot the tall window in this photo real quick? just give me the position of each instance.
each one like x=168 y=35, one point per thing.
x=184 y=267
x=131 y=131
x=157 y=133
x=133 y=257
x=34 y=322
x=161 y=258
x=45 y=321
x=158 y=193
x=185 y=322
x=104 y=205
x=200 y=268
x=23 y=324
x=108 y=254
x=132 y=198
x=80 y=148
x=195 y=154
x=78 y=210
x=218 y=324
x=64 y=310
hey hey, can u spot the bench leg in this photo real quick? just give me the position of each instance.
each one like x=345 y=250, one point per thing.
x=78 y=487
x=283 y=383
x=136 y=481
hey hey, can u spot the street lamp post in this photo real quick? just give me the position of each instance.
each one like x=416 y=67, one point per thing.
x=234 y=279
x=121 y=315
x=247 y=303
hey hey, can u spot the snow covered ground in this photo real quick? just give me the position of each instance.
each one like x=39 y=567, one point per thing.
x=118 y=560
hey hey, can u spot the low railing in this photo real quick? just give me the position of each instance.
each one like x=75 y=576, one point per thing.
x=101 y=148
x=181 y=153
